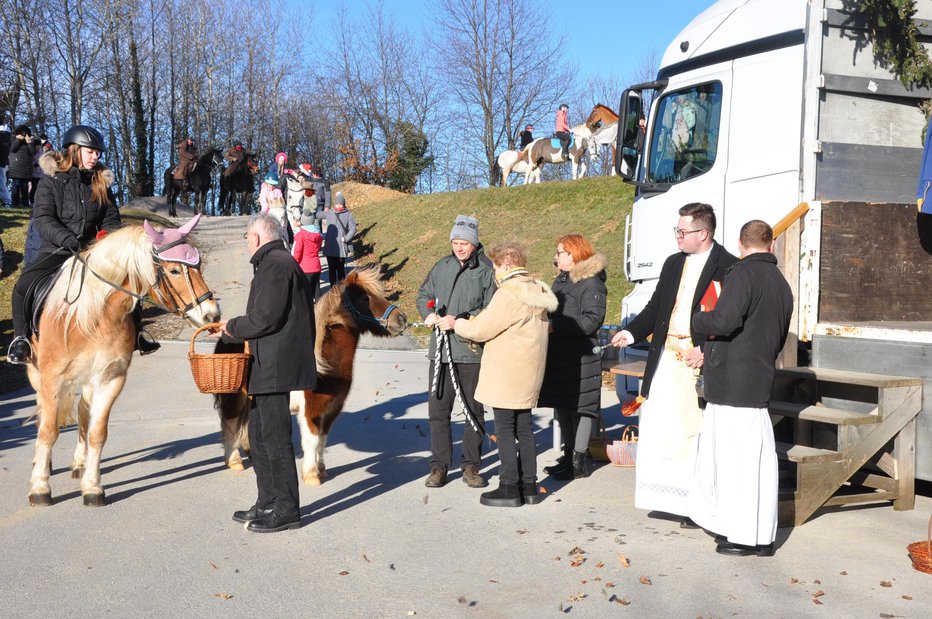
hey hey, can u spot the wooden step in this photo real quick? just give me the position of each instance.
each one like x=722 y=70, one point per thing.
x=847 y=377
x=801 y=454
x=822 y=414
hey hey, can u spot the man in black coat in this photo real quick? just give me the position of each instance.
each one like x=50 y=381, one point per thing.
x=671 y=418
x=735 y=490
x=279 y=325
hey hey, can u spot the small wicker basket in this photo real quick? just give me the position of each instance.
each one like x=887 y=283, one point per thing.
x=218 y=372
x=921 y=552
x=625 y=451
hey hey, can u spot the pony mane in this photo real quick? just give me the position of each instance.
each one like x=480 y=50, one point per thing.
x=330 y=311
x=123 y=257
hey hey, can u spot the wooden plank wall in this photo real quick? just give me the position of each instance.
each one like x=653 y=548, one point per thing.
x=872 y=264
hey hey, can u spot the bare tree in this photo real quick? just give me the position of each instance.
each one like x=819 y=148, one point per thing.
x=501 y=73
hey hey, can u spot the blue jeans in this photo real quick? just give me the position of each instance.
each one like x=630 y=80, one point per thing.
x=4 y=190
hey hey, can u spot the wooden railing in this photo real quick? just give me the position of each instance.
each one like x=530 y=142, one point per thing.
x=789 y=231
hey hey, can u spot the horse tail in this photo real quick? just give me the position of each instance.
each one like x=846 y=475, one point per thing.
x=497 y=177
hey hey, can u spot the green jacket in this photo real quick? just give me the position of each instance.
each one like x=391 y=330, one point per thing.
x=474 y=286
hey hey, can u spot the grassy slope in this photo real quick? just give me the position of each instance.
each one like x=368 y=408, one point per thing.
x=13 y=225
x=409 y=234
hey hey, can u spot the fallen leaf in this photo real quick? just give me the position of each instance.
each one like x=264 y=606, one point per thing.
x=619 y=600
x=817 y=582
x=624 y=561
x=542 y=490
x=600 y=564
x=583 y=581
x=558 y=558
x=907 y=597
x=577 y=561
x=578 y=597
x=597 y=578
x=492 y=580
x=366 y=559
x=644 y=580
x=344 y=573
x=521 y=531
x=576 y=551
x=609 y=585
x=818 y=593
x=222 y=596
x=213 y=565
x=886 y=583
x=844 y=573
x=793 y=581
x=376 y=392
x=817 y=601
x=461 y=599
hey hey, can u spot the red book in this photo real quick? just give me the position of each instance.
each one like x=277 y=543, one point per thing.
x=710 y=298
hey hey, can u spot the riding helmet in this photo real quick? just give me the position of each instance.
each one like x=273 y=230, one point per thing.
x=237 y=143
x=564 y=106
x=82 y=135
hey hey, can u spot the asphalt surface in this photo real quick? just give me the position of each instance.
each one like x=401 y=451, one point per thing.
x=375 y=542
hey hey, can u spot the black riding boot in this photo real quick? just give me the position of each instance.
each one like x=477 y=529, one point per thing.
x=144 y=342
x=580 y=464
x=20 y=351
x=564 y=463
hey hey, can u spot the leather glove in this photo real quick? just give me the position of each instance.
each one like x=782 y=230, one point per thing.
x=71 y=244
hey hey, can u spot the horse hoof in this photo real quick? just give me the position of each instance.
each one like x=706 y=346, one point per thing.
x=77 y=473
x=95 y=500
x=40 y=500
x=236 y=466
x=312 y=481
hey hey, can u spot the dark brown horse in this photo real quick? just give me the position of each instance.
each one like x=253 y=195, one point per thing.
x=353 y=307
x=198 y=182
x=239 y=188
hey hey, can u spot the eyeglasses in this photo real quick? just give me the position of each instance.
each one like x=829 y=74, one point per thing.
x=678 y=233
x=562 y=252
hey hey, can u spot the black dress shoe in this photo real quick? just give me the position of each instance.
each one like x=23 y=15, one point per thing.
x=687 y=523
x=253 y=513
x=274 y=523
x=740 y=550
x=20 y=351
x=145 y=345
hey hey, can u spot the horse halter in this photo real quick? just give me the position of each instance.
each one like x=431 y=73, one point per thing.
x=173 y=293
x=360 y=317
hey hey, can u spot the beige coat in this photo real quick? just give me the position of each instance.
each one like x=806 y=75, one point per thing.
x=514 y=328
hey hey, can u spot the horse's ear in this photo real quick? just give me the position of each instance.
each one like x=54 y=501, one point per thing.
x=186 y=229
x=151 y=232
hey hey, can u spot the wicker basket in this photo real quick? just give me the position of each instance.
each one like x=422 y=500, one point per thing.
x=218 y=372
x=625 y=451
x=598 y=443
x=921 y=552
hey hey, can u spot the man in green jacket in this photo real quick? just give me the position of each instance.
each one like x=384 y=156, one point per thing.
x=458 y=286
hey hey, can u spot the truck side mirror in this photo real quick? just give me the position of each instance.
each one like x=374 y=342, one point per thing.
x=628 y=144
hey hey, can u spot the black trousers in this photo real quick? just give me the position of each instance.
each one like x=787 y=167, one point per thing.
x=565 y=138
x=440 y=410
x=518 y=460
x=44 y=265
x=337 y=268
x=313 y=279
x=272 y=454
x=20 y=192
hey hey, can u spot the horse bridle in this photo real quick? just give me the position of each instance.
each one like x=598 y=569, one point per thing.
x=359 y=316
x=160 y=278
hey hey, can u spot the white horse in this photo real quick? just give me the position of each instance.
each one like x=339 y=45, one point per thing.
x=508 y=163
x=604 y=136
x=541 y=151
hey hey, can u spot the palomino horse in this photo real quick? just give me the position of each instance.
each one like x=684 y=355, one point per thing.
x=603 y=123
x=199 y=181
x=239 y=188
x=355 y=306
x=541 y=151
x=513 y=161
x=88 y=336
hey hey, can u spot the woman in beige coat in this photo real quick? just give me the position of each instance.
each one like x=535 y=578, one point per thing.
x=514 y=329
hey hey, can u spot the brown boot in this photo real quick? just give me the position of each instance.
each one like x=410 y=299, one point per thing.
x=437 y=477
x=472 y=478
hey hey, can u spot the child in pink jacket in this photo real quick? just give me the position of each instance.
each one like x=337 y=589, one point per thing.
x=307 y=242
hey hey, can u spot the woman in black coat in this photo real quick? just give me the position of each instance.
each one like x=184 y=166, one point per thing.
x=573 y=378
x=73 y=204
x=22 y=151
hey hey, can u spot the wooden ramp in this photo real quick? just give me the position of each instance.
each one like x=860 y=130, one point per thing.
x=851 y=438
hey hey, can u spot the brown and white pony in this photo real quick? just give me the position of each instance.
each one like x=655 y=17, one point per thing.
x=355 y=306
x=88 y=336
x=541 y=151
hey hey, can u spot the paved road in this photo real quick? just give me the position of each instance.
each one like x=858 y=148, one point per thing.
x=375 y=542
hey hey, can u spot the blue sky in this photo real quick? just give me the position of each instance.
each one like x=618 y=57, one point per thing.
x=612 y=38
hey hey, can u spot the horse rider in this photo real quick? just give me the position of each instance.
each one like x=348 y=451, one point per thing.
x=236 y=157
x=563 y=130
x=187 y=159
x=527 y=136
x=278 y=166
x=74 y=206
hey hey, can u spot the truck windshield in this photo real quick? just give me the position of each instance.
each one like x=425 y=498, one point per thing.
x=685 y=134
